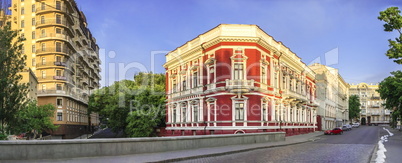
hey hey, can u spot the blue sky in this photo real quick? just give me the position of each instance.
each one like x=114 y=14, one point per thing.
x=130 y=31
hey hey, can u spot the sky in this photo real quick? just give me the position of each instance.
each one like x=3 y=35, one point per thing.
x=135 y=35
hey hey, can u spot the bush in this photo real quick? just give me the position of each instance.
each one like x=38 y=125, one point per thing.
x=3 y=137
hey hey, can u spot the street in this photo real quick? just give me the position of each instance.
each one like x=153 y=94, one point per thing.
x=353 y=146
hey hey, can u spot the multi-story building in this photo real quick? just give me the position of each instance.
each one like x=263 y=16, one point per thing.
x=28 y=77
x=64 y=56
x=372 y=111
x=332 y=95
x=238 y=79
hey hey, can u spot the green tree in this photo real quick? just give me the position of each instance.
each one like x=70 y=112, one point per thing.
x=393 y=21
x=390 y=90
x=354 y=107
x=34 y=119
x=12 y=61
x=136 y=107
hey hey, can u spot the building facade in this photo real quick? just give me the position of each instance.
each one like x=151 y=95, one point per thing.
x=332 y=96
x=372 y=111
x=238 y=79
x=64 y=56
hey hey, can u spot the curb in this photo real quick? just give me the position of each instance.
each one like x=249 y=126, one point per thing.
x=232 y=152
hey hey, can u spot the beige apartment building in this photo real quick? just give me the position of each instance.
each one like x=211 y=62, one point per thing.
x=372 y=111
x=64 y=57
x=332 y=96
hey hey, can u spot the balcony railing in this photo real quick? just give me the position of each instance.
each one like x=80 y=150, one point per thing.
x=52 y=22
x=56 y=36
x=239 y=85
x=51 y=8
x=52 y=50
x=47 y=64
x=59 y=78
x=82 y=96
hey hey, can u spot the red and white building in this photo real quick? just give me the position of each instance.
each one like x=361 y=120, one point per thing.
x=237 y=79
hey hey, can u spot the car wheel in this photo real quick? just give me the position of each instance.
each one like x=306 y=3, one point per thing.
x=341 y=133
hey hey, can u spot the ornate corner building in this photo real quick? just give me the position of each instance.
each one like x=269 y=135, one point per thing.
x=237 y=79
x=64 y=57
x=372 y=111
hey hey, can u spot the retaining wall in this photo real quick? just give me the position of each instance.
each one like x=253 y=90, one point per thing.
x=57 y=149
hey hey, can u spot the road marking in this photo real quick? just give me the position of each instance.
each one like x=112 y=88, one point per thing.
x=381 y=148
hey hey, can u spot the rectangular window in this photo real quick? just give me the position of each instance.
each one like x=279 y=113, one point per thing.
x=43 y=33
x=22 y=23
x=33 y=48
x=59 y=116
x=263 y=75
x=59 y=87
x=195 y=79
x=22 y=11
x=33 y=35
x=43 y=61
x=58 y=46
x=184 y=85
x=174 y=115
x=43 y=87
x=183 y=109
x=43 y=74
x=238 y=71
x=43 y=47
x=58 y=5
x=58 y=30
x=59 y=102
x=33 y=8
x=33 y=62
x=42 y=20
x=58 y=19
x=58 y=72
x=58 y=58
x=195 y=113
x=33 y=22
x=239 y=111
x=23 y=49
x=174 y=86
x=43 y=6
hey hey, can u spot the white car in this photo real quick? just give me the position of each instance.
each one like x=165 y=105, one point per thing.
x=355 y=125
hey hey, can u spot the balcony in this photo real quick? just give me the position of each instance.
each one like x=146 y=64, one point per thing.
x=59 y=78
x=55 y=36
x=50 y=64
x=375 y=106
x=52 y=22
x=239 y=86
x=289 y=94
x=51 y=8
x=52 y=50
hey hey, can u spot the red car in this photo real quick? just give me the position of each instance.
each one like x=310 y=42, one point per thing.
x=334 y=131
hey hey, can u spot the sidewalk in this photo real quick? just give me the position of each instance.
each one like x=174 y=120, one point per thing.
x=194 y=153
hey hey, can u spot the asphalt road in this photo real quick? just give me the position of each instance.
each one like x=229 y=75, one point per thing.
x=353 y=146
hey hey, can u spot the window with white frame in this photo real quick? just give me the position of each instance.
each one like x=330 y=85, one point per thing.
x=195 y=79
x=263 y=75
x=174 y=116
x=195 y=113
x=174 y=86
x=238 y=71
x=59 y=116
x=184 y=113
x=184 y=84
x=239 y=111
x=59 y=102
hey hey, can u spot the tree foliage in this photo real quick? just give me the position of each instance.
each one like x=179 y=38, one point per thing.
x=12 y=61
x=354 y=107
x=393 y=21
x=136 y=107
x=390 y=90
x=34 y=119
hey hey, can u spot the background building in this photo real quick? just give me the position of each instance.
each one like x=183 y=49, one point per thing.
x=238 y=79
x=332 y=96
x=64 y=56
x=372 y=111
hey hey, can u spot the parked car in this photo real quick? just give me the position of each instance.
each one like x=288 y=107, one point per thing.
x=334 y=131
x=356 y=125
x=349 y=126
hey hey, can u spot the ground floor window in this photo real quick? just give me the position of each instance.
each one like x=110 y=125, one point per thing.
x=239 y=111
x=59 y=116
